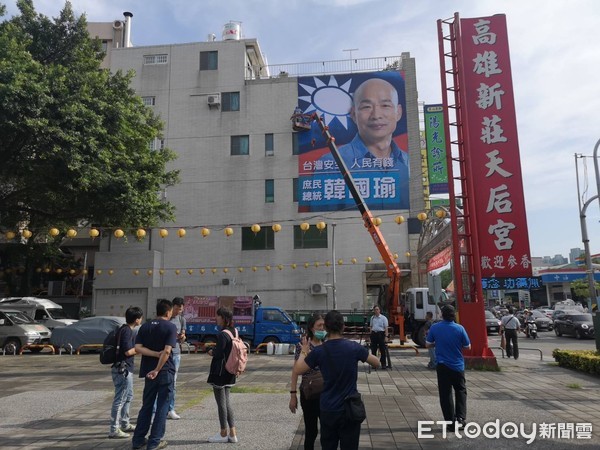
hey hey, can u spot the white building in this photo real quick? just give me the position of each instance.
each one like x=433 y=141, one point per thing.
x=229 y=123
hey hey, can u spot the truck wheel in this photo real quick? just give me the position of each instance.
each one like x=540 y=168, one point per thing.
x=9 y=344
x=272 y=339
x=419 y=338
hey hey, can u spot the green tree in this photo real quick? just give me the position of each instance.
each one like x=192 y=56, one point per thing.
x=445 y=277
x=74 y=138
x=581 y=289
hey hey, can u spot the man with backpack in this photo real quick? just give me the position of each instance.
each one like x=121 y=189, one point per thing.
x=179 y=321
x=122 y=375
x=155 y=341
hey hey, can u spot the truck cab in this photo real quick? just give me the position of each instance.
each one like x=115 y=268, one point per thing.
x=417 y=303
x=273 y=324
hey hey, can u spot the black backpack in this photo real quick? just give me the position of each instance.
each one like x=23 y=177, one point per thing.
x=111 y=346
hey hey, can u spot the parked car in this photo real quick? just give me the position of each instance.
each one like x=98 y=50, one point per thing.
x=492 y=323
x=91 y=330
x=18 y=329
x=576 y=324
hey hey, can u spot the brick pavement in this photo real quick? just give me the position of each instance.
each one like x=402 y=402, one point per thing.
x=51 y=401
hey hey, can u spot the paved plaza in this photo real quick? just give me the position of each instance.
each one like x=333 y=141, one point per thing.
x=63 y=402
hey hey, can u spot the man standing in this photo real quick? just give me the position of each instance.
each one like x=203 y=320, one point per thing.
x=379 y=325
x=155 y=341
x=449 y=340
x=510 y=327
x=122 y=376
x=179 y=321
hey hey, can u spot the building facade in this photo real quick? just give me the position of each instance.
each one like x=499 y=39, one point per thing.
x=228 y=119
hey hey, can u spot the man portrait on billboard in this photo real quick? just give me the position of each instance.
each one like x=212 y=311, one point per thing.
x=369 y=125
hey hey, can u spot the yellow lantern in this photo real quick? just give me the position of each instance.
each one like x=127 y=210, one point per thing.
x=353 y=260
x=190 y=271
x=340 y=262
x=225 y=270
x=84 y=271
x=47 y=270
x=327 y=263
x=71 y=233
x=294 y=265
x=161 y=271
x=59 y=270
x=228 y=231
x=254 y=268
x=267 y=267
x=181 y=232
x=304 y=226
x=163 y=233
x=377 y=221
x=202 y=271
x=149 y=272
x=407 y=254
x=26 y=234
x=98 y=272
x=369 y=259
x=280 y=266
x=72 y=272
x=321 y=226
x=38 y=270
x=317 y=263
x=255 y=228
x=54 y=232
x=276 y=228
x=140 y=233
x=119 y=233
x=111 y=272
x=213 y=270
x=440 y=213
x=399 y=220
x=395 y=255
x=177 y=271
x=10 y=235
x=94 y=233
x=204 y=232
x=306 y=265
x=136 y=272
x=240 y=269
x=422 y=216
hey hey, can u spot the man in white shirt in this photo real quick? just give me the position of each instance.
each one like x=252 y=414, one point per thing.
x=379 y=326
x=510 y=327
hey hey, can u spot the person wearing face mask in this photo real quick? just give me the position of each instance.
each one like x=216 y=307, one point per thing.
x=310 y=407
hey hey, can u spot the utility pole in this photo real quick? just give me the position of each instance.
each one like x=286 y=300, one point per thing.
x=334 y=263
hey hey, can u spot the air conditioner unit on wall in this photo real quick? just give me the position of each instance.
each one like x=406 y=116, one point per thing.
x=318 y=289
x=214 y=99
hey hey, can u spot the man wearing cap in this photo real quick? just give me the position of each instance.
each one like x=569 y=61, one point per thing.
x=449 y=340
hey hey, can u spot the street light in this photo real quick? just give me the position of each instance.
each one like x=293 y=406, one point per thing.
x=333 y=293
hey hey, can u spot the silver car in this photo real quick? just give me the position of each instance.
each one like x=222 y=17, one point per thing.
x=18 y=329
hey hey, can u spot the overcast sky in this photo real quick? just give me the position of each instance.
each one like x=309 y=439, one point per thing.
x=555 y=56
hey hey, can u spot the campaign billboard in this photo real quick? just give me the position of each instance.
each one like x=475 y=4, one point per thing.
x=492 y=148
x=366 y=114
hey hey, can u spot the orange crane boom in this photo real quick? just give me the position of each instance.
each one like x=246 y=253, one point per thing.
x=394 y=307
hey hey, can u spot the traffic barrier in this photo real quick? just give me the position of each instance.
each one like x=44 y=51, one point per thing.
x=9 y=348
x=88 y=346
x=40 y=346
x=404 y=347
x=520 y=349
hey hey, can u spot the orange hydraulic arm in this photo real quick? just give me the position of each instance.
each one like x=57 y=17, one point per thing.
x=394 y=307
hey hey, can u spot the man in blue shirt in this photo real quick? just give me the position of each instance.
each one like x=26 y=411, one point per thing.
x=155 y=341
x=449 y=340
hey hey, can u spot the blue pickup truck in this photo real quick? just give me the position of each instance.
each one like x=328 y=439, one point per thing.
x=255 y=323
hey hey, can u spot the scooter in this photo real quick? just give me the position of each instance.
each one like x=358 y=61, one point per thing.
x=531 y=329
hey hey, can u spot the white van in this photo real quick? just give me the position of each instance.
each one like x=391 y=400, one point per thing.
x=18 y=329
x=41 y=310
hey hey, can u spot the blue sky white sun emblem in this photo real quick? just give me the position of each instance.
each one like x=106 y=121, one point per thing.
x=331 y=100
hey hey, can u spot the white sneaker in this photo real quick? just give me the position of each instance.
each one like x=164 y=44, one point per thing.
x=233 y=439
x=119 y=435
x=218 y=438
x=173 y=415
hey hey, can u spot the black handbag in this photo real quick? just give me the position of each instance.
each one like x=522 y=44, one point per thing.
x=312 y=385
x=355 y=408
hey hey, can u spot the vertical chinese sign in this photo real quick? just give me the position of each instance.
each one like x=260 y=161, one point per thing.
x=436 y=149
x=492 y=148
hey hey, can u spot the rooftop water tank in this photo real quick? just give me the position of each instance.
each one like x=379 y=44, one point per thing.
x=231 y=31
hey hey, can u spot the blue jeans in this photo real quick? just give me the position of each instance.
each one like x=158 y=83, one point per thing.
x=158 y=390
x=432 y=360
x=119 y=413
x=177 y=361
